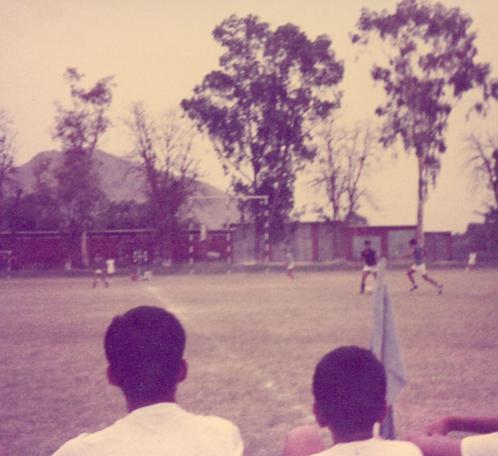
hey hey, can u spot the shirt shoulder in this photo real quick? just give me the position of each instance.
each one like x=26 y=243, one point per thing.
x=480 y=445
x=373 y=447
x=73 y=447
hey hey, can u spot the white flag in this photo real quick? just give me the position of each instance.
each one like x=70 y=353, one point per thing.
x=385 y=346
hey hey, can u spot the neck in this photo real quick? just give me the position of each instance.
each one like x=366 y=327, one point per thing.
x=346 y=437
x=136 y=403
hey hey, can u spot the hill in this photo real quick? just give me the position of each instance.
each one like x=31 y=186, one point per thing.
x=121 y=181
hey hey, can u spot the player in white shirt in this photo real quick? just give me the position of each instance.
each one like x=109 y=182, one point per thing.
x=349 y=389
x=144 y=349
x=435 y=441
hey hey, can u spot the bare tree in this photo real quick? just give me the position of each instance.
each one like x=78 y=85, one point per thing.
x=483 y=162
x=330 y=172
x=7 y=149
x=164 y=151
x=359 y=152
x=344 y=157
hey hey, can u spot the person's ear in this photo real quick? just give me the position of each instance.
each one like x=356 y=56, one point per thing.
x=320 y=419
x=182 y=372
x=111 y=378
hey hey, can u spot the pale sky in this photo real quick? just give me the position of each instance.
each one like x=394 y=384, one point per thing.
x=158 y=50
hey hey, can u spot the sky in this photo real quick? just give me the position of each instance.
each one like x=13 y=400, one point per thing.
x=158 y=50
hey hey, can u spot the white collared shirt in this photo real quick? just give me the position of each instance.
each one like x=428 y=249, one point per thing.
x=373 y=447
x=163 y=429
x=480 y=445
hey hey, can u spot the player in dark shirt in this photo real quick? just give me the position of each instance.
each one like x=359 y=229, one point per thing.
x=418 y=254
x=370 y=258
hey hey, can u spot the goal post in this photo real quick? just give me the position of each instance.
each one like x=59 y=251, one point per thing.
x=230 y=224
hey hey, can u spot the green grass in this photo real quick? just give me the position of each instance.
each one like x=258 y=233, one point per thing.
x=253 y=341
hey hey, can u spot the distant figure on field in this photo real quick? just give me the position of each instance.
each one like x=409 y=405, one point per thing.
x=472 y=261
x=434 y=441
x=110 y=267
x=370 y=267
x=144 y=350
x=100 y=273
x=290 y=265
x=349 y=389
x=418 y=254
x=138 y=259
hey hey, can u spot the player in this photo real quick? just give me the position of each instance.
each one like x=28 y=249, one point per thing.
x=418 y=254
x=472 y=261
x=370 y=267
x=144 y=349
x=290 y=265
x=434 y=441
x=110 y=268
x=100 y=271
x=349 y=389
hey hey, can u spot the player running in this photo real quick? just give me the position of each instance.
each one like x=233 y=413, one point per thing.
x=370 y=257
x=418 y=265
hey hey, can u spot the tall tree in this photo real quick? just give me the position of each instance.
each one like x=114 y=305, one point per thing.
x=164 y=151
x=256 y=107
x=344 y=158
x=430 y=54
x=7 y=149
x=78 y=129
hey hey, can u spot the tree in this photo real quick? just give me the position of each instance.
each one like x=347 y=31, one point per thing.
x=257 y=106
x=165 y=153
x=344 y=156
x=430 y=65
x=7 y=149
x=483 y=163
x=78 y=128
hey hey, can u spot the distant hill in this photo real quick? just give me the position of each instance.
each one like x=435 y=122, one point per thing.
x=121 y=181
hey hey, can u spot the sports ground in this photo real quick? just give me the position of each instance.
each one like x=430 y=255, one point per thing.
x=253 y=341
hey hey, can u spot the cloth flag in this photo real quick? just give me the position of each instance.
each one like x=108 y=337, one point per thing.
x=385 y=346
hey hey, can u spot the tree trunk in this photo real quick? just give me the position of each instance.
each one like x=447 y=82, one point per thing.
x=421 y=199
x=85 y=258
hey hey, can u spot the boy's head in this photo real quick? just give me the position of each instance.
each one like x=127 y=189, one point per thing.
x=349 y=386
x=144 y=348
x=413 y=242
x=367 y=243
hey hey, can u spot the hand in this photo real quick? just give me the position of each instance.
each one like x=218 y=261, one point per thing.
x=440 y=427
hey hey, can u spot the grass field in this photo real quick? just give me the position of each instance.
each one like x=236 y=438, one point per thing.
x=253 y=341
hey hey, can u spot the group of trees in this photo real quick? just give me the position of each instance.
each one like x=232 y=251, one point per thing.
x=269 y=110
x=68 y=195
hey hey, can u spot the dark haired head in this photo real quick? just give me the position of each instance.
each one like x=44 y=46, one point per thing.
x=413 y=241
x=349 y=386
x=144 y=348
x=367 y=242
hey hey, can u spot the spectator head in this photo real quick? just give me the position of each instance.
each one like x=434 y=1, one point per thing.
x=349 y=386
x=144 y=348
x=367 y=243
x=413 y=242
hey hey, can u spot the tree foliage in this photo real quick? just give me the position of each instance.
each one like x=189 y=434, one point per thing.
x=78 y=128
x=165 y=155
x=257 y=106
x=431 y=63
